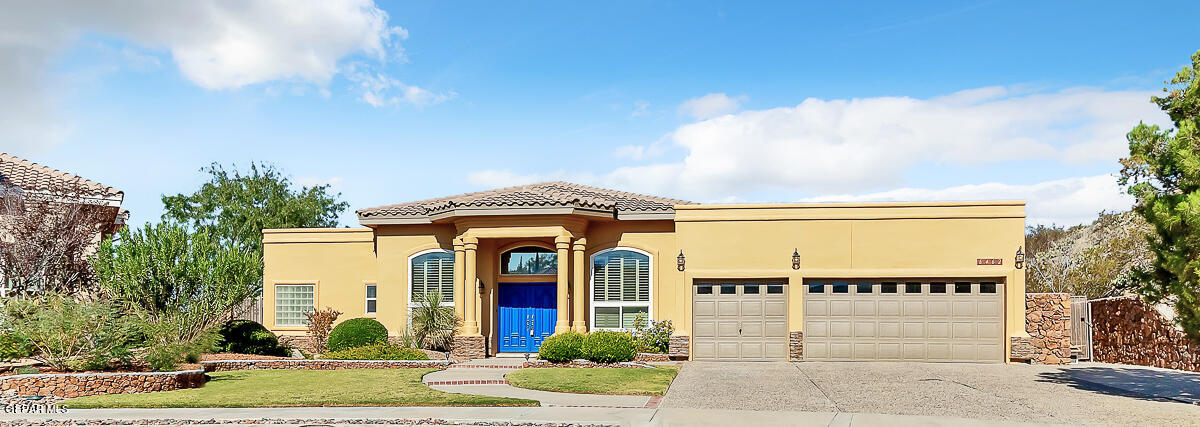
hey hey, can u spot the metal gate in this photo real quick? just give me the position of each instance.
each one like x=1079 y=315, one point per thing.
x=1081 y=328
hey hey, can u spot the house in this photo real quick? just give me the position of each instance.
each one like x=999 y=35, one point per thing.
x=829 y=281
x=51 y=222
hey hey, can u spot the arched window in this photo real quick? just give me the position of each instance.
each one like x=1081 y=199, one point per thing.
x=529 y=260
x=620 y=288
x=431 y=271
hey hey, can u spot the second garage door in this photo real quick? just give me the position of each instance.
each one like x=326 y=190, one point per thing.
x=739 y=320
x=915 y=320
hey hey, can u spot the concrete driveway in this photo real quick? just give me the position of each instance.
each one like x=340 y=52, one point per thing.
x=1078 y=394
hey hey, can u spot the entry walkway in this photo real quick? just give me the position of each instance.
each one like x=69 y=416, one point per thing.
x=486 y=377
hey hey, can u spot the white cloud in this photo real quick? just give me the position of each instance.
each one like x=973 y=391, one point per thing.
x=868 y=144
x=1066 y=201
x=640 y=108
x=711 y=105
x=379 y=90
x=216 y=45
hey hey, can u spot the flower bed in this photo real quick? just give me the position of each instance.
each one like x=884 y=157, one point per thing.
x=581 y=363
x=88 y=384
x=319 y=364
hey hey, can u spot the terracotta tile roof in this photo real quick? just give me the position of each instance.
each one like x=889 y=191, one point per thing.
x=30 y=176
x=545 y=194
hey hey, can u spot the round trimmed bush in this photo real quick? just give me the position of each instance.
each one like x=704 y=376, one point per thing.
x=377 y=352
x=248 y=337
x=563 y=347
x=609 y=347
x=357 y=333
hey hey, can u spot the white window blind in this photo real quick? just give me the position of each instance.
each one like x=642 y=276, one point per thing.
x=431 y=272
x=291 y=303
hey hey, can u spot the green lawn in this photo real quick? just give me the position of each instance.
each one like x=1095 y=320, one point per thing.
x=645 y=382
x=265 y=388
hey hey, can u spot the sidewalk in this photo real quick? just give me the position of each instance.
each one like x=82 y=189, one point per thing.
x=486 y=377
x=431 y=416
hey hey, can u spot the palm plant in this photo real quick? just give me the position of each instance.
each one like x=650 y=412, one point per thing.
x=433 y=324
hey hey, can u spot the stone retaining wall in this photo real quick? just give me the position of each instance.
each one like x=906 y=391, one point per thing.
x=1048 y=322
x=651 y=357
x=89 y=384
x=580 y=363
x=319 y=364
x=1127 y=330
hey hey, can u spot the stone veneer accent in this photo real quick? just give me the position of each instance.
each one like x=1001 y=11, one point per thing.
x=299 y=342
x=319 y=364
x=467 y=347
x=89 y=384
x=679 y=347
x=1048 y=323
x=796 y=345
x=1128 y=330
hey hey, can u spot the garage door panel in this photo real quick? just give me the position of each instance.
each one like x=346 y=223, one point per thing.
x=919 y=326
x=743 y=325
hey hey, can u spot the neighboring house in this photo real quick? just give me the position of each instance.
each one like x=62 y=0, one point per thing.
x=50 y=222
x=863 y=281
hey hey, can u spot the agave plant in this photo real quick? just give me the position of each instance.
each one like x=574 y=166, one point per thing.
x=433 y=324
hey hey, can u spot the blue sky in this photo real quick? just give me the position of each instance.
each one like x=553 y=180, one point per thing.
x=707 y=101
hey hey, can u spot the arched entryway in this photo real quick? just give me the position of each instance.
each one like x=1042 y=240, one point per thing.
x=527 y=309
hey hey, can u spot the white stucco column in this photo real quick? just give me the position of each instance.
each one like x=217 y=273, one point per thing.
x=470 y=293
x=563 y=244
x=579 y=282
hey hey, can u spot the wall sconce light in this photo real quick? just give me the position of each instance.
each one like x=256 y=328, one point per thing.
x=679 y=261
x=796 y=259
x=482 y=288
x=1020 y=258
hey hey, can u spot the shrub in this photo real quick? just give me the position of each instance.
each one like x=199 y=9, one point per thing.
x=320 y=322
x=563 y=347
x=378 y=352
x=13 y=347
x=652 y=337
x=357 y=333
x=70 y=335
x=609 y=347
x=248 y=337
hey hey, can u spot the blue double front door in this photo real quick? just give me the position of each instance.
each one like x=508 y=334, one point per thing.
x=527 y=315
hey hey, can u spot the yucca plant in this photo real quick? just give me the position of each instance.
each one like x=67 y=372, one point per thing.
x=433 y=325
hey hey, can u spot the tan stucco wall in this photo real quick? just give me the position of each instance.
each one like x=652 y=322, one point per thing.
x=897 y=240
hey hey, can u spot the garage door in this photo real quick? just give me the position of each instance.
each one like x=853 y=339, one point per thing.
x=739 y=320
x=917 y=320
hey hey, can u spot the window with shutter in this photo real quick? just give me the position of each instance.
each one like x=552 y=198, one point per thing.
x=620 y=288
x=432 y=271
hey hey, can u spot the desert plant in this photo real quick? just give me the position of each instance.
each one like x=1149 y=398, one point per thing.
x=609 y=347
x=563 y=347
x=66 y=334
x=377 y=352
x=433 y=324
x=357 y=333
x=13 y=347
x=248 y=337
x=320 y=322
x=652 y=337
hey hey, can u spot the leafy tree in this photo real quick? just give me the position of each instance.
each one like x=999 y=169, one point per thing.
x=178 y=283
x=1163 y=173
x=237 y=206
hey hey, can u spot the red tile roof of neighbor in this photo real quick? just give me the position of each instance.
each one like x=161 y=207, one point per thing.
x=30 y=176
x=545 y=194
